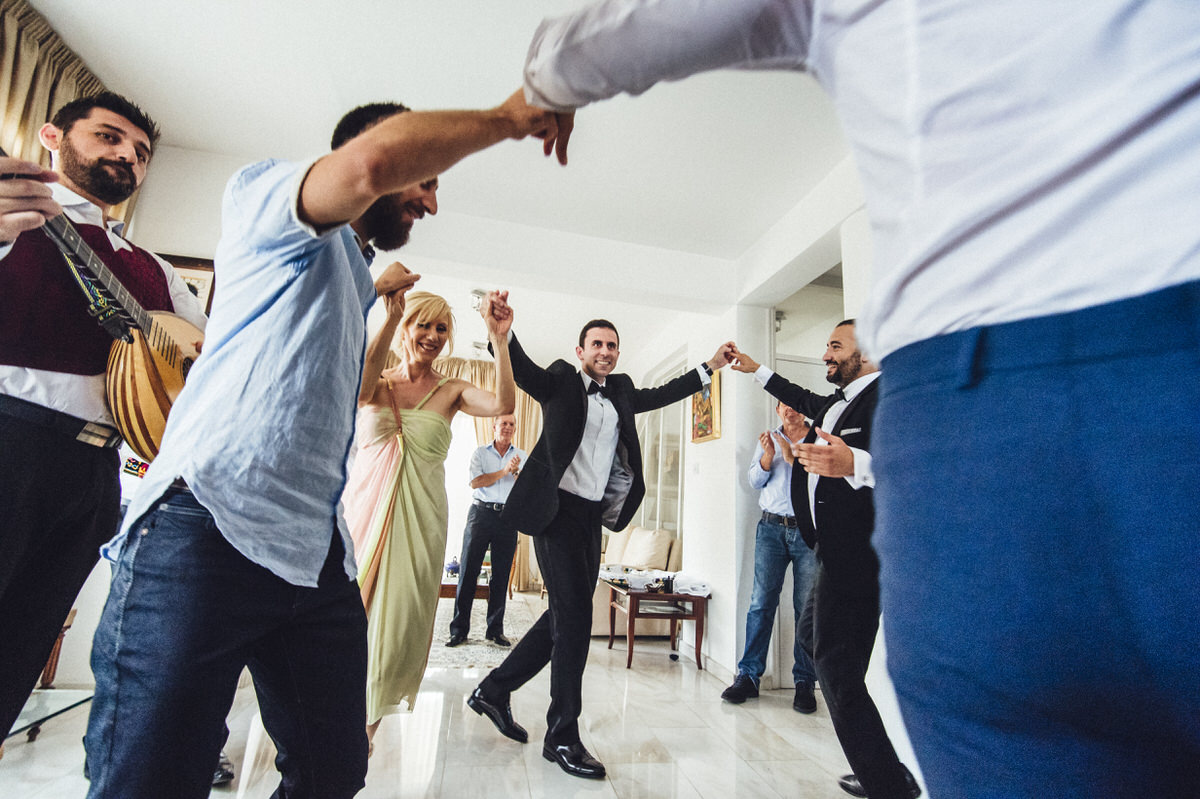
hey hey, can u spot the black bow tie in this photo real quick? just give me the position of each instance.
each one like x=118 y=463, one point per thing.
x=596 y=388
x=368 y=253
x=837 y=392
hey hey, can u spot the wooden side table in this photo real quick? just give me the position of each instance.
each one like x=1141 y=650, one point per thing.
x=644 y=604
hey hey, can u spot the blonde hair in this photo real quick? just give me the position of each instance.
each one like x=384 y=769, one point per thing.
x=422 y=307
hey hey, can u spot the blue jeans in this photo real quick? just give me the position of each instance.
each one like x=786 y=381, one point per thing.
x=185 y=613
x=775 y=547
x=1039 y=535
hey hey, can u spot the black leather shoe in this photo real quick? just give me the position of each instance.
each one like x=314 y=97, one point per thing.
x=852 y=786
x=223 y=773
x=743 y=688
x=574 y=759
x=456 y=639
x=499 y=640
x=805 y=701
x=500 y=715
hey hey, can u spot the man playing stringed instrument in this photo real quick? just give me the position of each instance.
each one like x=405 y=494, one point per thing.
x=59 y=492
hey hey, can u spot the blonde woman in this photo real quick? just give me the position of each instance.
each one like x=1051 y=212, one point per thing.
x=395 y=501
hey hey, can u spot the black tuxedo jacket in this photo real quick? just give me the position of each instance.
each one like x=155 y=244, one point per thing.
x=533 y=502
x=845 y=518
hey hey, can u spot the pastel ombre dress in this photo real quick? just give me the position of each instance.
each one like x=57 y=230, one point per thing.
x=395 y=506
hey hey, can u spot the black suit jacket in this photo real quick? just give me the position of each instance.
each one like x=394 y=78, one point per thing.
x=533 y=502
x=845 y=518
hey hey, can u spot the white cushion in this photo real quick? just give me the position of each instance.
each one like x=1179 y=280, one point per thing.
x=647 y=549
x=615 y=547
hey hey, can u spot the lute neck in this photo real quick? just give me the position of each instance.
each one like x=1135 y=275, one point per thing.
x=68 y=239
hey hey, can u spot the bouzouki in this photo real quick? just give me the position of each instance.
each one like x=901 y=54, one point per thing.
x=151 y=356
x=153 y=350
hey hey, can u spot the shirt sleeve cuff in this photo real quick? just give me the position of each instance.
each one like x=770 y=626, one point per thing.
x=864 y=476
x=762 y=374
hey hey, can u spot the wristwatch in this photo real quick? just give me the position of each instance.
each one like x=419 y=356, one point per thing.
x=707 y=369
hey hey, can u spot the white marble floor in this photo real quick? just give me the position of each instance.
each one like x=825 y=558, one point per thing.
x=660 y=728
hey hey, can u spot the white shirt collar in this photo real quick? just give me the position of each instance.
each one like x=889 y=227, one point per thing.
x=588 y=380
x=858 y=384
x=83 y=208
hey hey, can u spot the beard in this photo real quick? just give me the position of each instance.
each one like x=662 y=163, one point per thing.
x=847 y=371
x=384 y=225
x=110 y=182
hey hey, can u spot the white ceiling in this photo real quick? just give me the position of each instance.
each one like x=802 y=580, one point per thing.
x=696 y=171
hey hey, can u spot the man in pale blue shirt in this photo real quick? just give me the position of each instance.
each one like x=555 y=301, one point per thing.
x=494 y=470
x=234 y=553
x=778 y=544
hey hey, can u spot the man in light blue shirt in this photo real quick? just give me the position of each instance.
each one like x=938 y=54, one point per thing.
x=778 y=544
x=234 y=553
x=494 y=470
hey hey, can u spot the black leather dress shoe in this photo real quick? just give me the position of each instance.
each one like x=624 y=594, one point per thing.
x=456 y=639
x=574 y=759
x=499 y=640
x=500 y=715
x=852 y=786
x=223 y=773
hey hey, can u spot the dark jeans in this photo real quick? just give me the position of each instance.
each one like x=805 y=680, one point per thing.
x=568 y=552
x=59 y=500
x=185 y=613
x=844 y=628
x=484 y=529
x=1041 y=564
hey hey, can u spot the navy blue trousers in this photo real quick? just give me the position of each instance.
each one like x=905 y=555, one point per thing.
x=1039 y=532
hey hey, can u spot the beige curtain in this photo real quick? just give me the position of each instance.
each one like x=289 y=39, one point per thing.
x=529 y=427
x=38 y=75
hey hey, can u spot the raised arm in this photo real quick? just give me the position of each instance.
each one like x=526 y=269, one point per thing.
x=409 y=148
x=807 y=402
x=392 y=285
x=476 y=401
x=617 y=46
x=647 y=399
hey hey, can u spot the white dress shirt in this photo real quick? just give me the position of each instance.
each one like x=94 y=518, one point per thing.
x=1019 y=159
x=589 y=470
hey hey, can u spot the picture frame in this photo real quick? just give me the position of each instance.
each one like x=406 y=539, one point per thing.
x=198 y=273
x=706 y=411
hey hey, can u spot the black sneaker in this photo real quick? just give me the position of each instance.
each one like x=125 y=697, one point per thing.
x=804 y=701
x=743 y=688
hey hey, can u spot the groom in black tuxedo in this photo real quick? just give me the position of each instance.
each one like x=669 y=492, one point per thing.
x=584 y=471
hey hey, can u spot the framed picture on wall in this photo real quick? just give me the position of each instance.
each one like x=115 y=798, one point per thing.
x=706 y=411
x=198 y=274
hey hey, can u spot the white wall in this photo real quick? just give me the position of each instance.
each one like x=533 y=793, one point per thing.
x=179 y=208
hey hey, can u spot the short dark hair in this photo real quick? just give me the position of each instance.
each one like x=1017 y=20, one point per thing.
x=845 y=322
x=79 y=109
x=361 y=118
x=598 y=323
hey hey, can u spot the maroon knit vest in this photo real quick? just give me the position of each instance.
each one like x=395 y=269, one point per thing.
x=44 y=323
